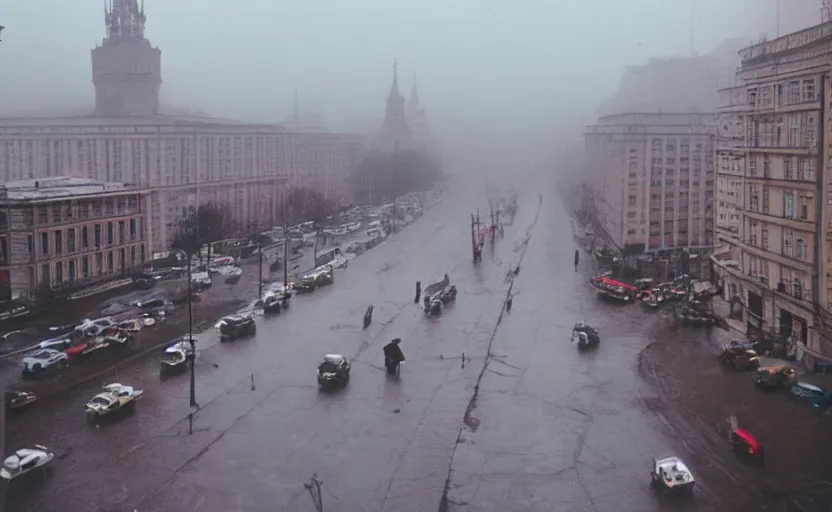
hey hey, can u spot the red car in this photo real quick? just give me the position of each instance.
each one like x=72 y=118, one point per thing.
x=746 y=445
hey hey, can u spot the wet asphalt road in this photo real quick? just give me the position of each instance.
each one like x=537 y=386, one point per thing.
x=264 y=428
x=550 y=429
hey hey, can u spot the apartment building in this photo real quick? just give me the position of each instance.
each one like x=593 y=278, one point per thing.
x=774 y=218
x=66 y=231
x=653 y=180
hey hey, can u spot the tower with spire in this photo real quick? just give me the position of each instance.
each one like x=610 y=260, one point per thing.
x=416 y=115
x=126 y=69
x=394 y=130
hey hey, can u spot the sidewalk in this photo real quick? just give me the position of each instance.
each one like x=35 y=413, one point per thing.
x=722 y=310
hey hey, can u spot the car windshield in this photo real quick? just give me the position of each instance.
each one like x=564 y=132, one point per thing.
x=99 y=400
x=41 y=354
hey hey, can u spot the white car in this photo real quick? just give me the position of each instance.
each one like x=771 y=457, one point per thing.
x=59 y=343
x=92 y=328
x=115 y=397
x=201 y=279
x=672 y=474
x=24 y=460
x=44 y=359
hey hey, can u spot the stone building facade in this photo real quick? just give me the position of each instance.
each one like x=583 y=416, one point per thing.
x=774 y=156
x=64 y=231
x=652 y=180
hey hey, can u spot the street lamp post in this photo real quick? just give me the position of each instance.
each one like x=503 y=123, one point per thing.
x=260 y=250
x=191 y=335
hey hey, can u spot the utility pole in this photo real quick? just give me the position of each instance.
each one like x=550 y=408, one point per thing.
x=191 y=334
x=493 y=223
x=260 y=250
x=285 y=257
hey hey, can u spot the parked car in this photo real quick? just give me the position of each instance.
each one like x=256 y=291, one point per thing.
x=59 y=343
x=19 y=400
x=771 y=377
x=740 y=358
x=811 y=394
x=43 y=360
x=25 y=460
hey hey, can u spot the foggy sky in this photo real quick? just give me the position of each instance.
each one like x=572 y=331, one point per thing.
x=533 y=69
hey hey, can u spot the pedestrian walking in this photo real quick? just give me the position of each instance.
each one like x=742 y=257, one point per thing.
x=368 y=316
x=418 y=292
x=508 y=303
x=577 y=259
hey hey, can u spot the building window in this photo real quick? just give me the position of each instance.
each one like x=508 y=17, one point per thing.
x=85 y=266
x=132 y=229
x=794 y=92
x=97 y=230
x=70 y=240
x=44 y=243
x=800 y=249
x=788 y=205
x=110 y=233
x=121 y=232
x=99 y=263
x=30 y=244
x=788 y=239
x=85 y=237
x=787 y=168
x=72 y=276
x=141 y=254
x=122 y=260
x=809 y=90
x=133 y=256
x=59 y=272
x=810 y=132
x=110 y=262
x=798 y=289
x=45 y=276
x=59 y=246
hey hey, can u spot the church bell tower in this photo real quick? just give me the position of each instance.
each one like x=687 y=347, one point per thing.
x=126 y=70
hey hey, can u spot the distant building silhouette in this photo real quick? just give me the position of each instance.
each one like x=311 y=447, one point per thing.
x=395 y=133
x=126 y=70
x=676 y=84
x=416 y=116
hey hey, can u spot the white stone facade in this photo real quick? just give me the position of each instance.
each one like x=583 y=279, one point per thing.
x=653 y=179
x=182 y=159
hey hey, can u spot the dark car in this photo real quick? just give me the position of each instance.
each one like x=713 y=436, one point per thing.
x=305 y=284
x=333 y=371
x=740 y=358
x=237 y=326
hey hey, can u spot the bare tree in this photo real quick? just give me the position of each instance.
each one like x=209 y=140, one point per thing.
x=385 y=176
x=208 y=223
x=307 y=205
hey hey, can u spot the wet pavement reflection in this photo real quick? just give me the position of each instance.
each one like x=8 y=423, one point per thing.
x=550 y=429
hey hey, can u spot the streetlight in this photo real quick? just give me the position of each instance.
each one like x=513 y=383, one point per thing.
x=191 y=333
